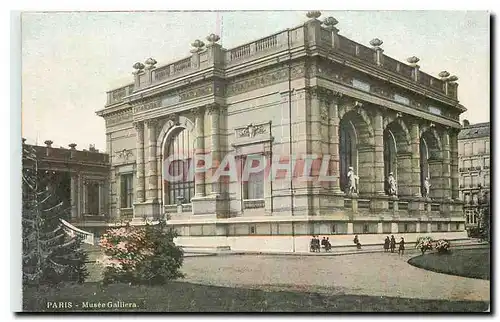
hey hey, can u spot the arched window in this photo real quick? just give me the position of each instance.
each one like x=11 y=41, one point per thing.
x=179 y=151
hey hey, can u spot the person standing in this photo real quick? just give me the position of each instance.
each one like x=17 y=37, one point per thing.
x=387 y=243
x=393 y=243
x=401 y=250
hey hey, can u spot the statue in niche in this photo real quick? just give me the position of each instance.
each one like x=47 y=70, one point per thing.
x=351 y=181
x=393 y=190
x=426 y=188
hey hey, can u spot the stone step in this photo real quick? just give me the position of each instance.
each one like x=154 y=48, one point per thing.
x=204 y=249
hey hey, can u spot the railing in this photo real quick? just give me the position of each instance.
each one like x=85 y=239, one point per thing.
x=187 y=207
x=391 y=64
x=347 y=45
x=253 y=203
x=363 y=204
x=266 y=43
x=182 y=65
x=366 y=53
x=239 y=52
x=161 y=73
x=87 y=237
x=118 y=94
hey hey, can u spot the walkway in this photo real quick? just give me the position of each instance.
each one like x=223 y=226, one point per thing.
x=376 y=274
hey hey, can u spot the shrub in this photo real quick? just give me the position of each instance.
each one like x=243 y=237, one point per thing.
x=141 y=255
x=424 y=243
x=442 y=246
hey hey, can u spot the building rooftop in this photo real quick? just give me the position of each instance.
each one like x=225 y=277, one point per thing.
x=477 y=130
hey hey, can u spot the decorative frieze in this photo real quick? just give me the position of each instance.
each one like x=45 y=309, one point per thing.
x=264 y=78
x=123 y=154
x=119 y=117
x=251 y=130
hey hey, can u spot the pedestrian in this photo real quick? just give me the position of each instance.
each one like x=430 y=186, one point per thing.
x=401 y=250
x=356 y=242
x=393 y=243
x=387 y=244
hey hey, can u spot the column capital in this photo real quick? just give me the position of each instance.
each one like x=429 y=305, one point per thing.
x=151 y=123
x=213 y=108
x=198 y=111
x=138 y=125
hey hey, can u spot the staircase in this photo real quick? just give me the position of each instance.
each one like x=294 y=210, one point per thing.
x=87 y=237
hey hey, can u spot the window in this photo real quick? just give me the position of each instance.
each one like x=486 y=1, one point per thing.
x=252 y=230
x=486 y=163
x=467 y=181
x=435 y=110
x=386 y=227
x=361 y=85
x=92 y=202
x=467 y=198
x=486 y=180
x=180 y=153
x=474 y=181
x=468 y=149
x=365 y=228
x=467 y=164
x=401 y=99
x=487 y=146
x=477 y=148
x=254 y=187
x=334 y=229
x=407 y=227
x=476 y=163
x=127 y=190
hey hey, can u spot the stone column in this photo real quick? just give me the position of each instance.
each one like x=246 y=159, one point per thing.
x=455 y=176
x=74 y=195
x=152 y=177
x=140 y=188
x=334 y=142
x=446 y=172
x=415 y=159
x=213 y=111
x=378 y=162
x=200 y=150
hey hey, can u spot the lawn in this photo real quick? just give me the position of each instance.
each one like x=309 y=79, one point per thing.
x=473 y=263
x=187 y=297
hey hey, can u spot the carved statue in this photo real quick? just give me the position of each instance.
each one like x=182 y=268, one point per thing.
x=351 y=181
x=426 y=188
x=393 y=190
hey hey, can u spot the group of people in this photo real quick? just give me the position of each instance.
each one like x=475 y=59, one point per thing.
x=316 y=244
x=390 y=244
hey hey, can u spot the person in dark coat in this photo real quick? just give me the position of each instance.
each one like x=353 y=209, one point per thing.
x=328 y=246
x=323 y=242
x=356 y=241
x=401 y=250
x=387 y=244
x=393 y=243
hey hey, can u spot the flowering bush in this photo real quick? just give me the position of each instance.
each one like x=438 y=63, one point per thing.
x=424 y=244
x=143 y=254
x=442 y=246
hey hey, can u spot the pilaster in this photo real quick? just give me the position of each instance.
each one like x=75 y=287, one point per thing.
x=152 y=176
x=140 y=187
x=415 y=159
x=378 y=161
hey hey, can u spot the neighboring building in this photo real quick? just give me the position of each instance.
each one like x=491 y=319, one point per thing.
x=305 y=90
x=474 y=168
x=78 y=178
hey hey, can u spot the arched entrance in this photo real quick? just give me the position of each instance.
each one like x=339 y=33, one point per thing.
x=178 y=182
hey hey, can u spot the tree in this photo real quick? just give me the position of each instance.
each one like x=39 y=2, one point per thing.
x=484 y=216
x=50 y=256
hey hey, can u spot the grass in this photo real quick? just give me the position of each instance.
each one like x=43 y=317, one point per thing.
x=187 y=297
x=473 y=263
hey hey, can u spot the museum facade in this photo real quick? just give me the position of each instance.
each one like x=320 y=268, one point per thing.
x=306 y=92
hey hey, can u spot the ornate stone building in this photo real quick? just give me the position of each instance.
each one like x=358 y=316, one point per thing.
x=303 y=91
x=474 y=168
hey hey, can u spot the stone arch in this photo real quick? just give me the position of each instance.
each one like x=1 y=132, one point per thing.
x=356 y=146
x=397 y=154
x=431 y=160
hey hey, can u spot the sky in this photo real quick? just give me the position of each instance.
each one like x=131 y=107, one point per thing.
x=70 y=59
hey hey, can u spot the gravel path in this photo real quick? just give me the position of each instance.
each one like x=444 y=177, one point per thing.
x=376 y=274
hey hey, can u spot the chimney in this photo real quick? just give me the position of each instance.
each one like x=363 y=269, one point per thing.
x=466 y=123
